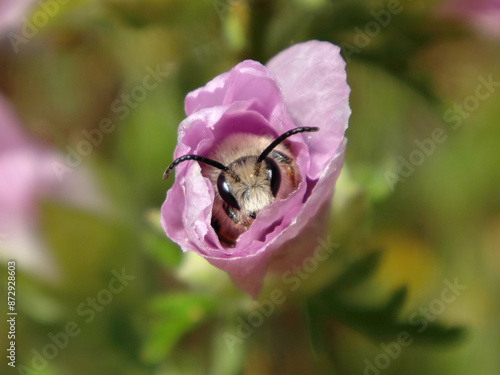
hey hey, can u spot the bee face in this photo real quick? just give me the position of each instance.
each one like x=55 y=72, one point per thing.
x=248 y=172
x=249 y=186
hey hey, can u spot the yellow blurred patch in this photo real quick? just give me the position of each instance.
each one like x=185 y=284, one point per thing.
x=406 y=260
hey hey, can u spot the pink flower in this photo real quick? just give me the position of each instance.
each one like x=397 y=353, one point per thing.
x=11 y=13
x=28 y=176
x=303 y=86
x=483 y=15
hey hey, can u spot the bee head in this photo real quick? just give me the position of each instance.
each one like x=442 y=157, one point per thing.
x=249 y=183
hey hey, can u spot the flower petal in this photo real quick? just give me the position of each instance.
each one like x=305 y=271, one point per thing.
x=249 y=80
x=11 y=13
x=483 y=15
x=313 y=78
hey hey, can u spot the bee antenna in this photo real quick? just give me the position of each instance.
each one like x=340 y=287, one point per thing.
x=281 y=138
x=202 y=159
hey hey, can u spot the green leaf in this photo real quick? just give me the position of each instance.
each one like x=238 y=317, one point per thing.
x=357 y=272
x=174 y=316
x=379 y=323
x=314 y=322
x=434 y=333
x=162 y=249
x=396 y=302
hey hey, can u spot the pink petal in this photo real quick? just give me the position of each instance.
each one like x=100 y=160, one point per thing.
x=313 y=78
x=249 y=80
x=483 y=15
x=11 y=13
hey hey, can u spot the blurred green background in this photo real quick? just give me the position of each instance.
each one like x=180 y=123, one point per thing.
x=416 y=206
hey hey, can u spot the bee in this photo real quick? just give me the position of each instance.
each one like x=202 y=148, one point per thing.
x=248 y=172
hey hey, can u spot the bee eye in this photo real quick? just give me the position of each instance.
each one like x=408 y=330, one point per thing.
x=274 y=175
x=224 y=189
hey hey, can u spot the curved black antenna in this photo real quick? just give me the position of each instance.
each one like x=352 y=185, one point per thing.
x=281 y=138
x=202 y=159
